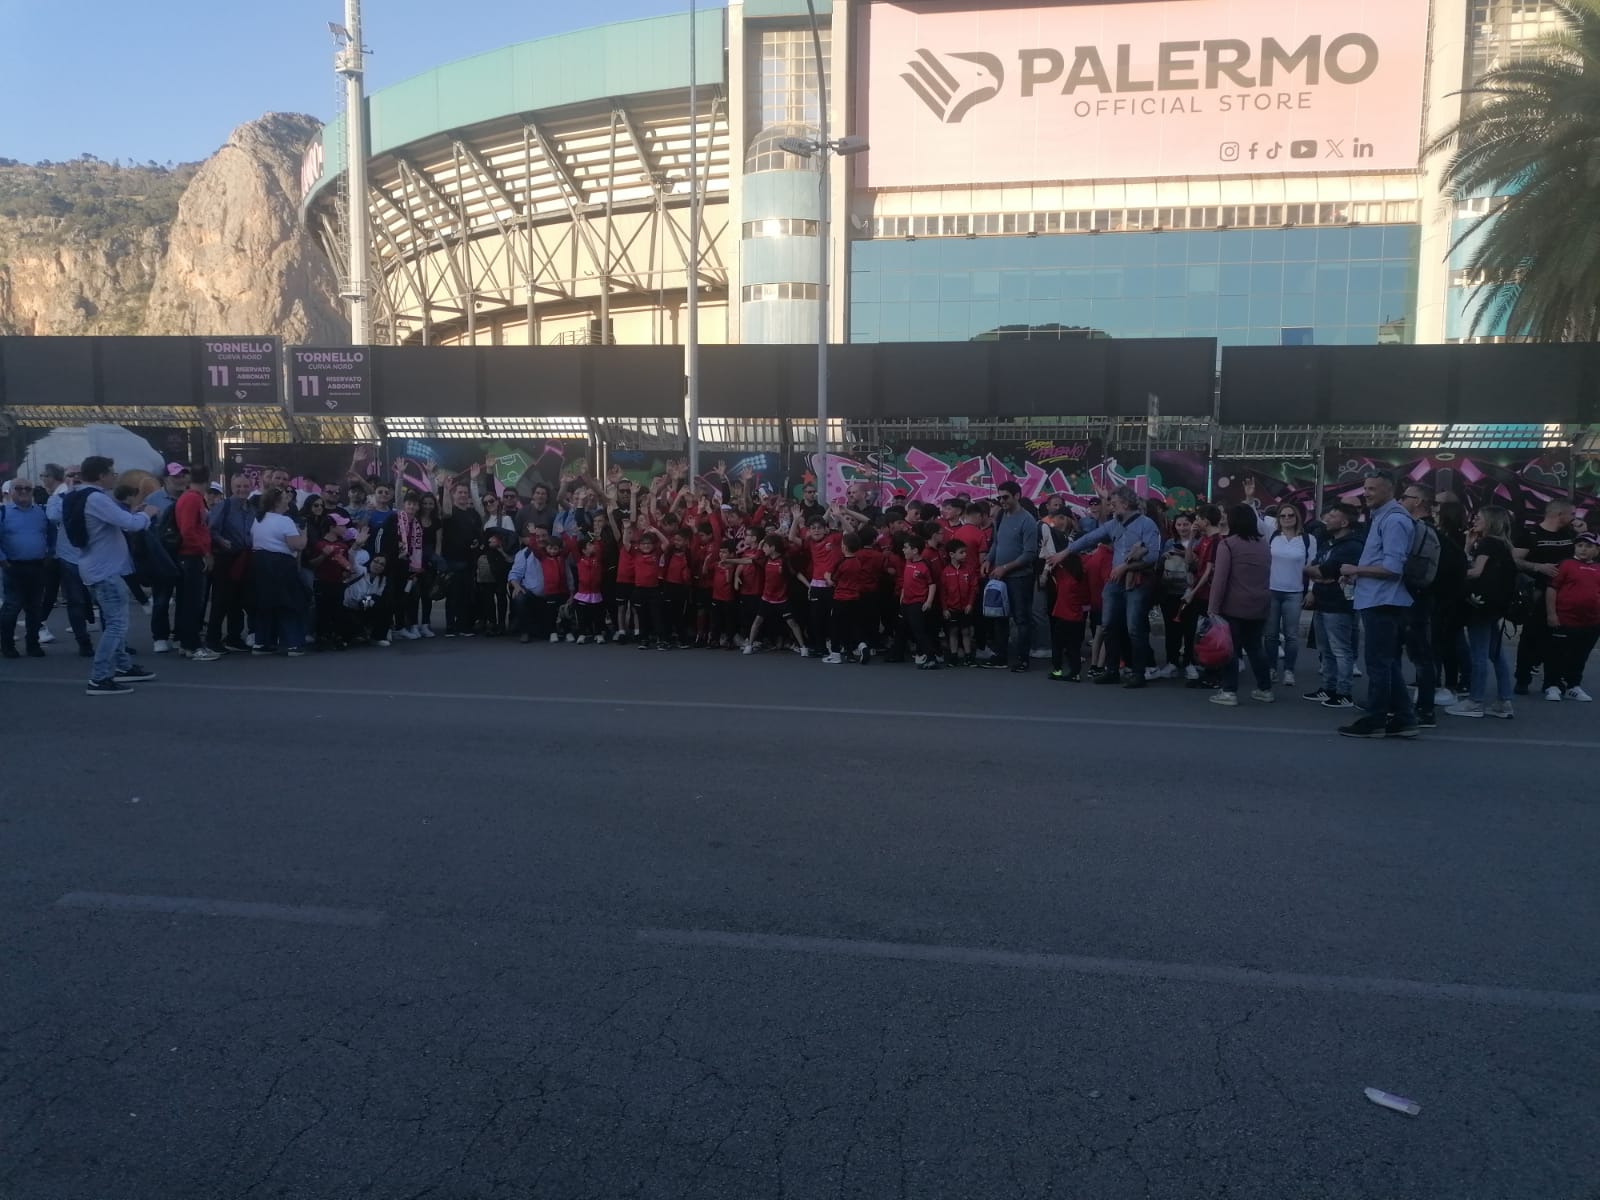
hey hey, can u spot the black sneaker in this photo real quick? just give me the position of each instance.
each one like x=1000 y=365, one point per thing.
x=1396 y=729
x=1334 y=701
x=993 y=664
x=1366 y=727
x=35 y=650
x=1521 y=689
x=107 y=687
x=9 y=652
x=134 y=674
x=85 y=649
x=1108 y=677
x=1020 y=668
x=1320 y=696
x=1427 y=720
x=233 y=647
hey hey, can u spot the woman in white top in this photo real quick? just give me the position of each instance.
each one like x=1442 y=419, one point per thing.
x=494 y=517
x=1292 y=548
x=275 y=543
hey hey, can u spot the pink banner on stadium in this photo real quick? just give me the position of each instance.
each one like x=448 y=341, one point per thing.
x=1019 y=92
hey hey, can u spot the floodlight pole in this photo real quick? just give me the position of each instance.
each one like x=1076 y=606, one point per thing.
x=691 y=411
x=823 y=151
x=349 y=66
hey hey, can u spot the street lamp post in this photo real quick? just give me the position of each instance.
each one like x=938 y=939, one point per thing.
x=822 y=148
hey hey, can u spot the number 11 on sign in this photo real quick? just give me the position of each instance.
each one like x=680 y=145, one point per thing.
x=310 y=385
x=219 y=376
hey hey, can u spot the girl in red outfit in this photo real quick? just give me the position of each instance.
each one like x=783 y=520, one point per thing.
x=958 y=597
x=589 y=601
x=775 y=596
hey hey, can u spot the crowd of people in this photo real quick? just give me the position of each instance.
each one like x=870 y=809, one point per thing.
x=258 y=566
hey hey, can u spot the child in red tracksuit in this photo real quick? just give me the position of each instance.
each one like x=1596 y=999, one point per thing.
x=589 y=602
x=1068 y=612
x=647 y=588
x=919 y=589
x=554 y=564
x=1096 y=574
x=958 y=597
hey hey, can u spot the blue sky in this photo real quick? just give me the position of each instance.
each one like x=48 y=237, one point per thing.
x=169 y=79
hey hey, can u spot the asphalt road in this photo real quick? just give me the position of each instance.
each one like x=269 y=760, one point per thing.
x=471 y=920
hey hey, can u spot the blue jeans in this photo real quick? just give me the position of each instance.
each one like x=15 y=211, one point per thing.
x=1384 y=631
x=1125 y=614
x=1486 y=647
x=1336 y=642
x=1014 y=634
x=1283 y=620
x=111 y=656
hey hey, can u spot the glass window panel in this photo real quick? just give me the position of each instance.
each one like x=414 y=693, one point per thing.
x=927 y=254
x=864 y=286
x=894 y=322
x=1077 y=283
x=1140 y=251
x=1298 y=276
x=1107 y=282
x=1200 y=313
x=1013 y=312
x=1044 y=312
x=1045 y=285
x=1172 y=248
x=863 y=322
x=1231 y=337
x=1202 y=279
x=1332 y=277
x=1108 y=314
x=1365 y=276
x=1138 y=281
x=955 y=285
x=1330 y=335
x=1266 y=276
x=985 y=315
x=1330 y=308
x=1296 y=336
x=1263 y=336
x=1111 y=251
x=1397 y=276
x=1204 y=247
x=1333 y=243
x=1366 y=243
x=1394 y=305
x=1171 y=281
x=1167 y=313
x=1014 y=285
x=1296 y=309
x=1266 y=244
x=924 y=320
x=1299 y=244
x=1233 y=279
x=894 y=286
x=1401 y=241
x=1236 y=247
x=1364 y=308
x=1013 y=251
x=1361 y=335
x=1233 y=312
x=1074 y=313
x=986 y=285
x=1266 y=308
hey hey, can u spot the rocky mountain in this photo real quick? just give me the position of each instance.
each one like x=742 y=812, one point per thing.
x=88 y=247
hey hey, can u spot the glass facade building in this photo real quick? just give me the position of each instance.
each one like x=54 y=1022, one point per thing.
x=1348 y=285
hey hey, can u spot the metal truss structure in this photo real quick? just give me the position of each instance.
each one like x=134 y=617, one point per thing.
x=548 y=221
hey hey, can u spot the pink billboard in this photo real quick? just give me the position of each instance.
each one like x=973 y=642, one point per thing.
x=1029 y=92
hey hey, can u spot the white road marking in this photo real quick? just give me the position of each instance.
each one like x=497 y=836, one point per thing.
x=1127 y=968
x=303 y=914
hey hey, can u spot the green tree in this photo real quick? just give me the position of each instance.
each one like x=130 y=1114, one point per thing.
x=1531 y=137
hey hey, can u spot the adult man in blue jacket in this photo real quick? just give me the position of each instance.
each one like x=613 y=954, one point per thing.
x=1384 y=604
x=102 y=565
x=24 y=553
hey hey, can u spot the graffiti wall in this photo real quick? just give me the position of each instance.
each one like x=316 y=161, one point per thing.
x=1523 y=481
x=723 y=468
x=429 y=464
x=929 y=472
x=306 y=462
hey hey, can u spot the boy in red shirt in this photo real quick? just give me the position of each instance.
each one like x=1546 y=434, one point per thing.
x=958 y=596
x=627 y=555
x=918 y=590
x=647 y=589
x=1068 y=611
x=718 y=574
x=855 y=583
x=556 y=588
x=676 y=574
x=1573 y=609
x=748 y=579
x=775 y=596
x=825 y=549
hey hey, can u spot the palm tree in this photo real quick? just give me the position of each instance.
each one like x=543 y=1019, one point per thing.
x=1533 y=130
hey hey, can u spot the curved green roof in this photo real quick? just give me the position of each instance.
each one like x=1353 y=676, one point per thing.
x=625 y=59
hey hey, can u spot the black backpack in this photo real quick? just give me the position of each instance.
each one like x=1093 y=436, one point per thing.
x=166 y=526
x=73 y=519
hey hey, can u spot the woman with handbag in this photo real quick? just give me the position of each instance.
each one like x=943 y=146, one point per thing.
x=1241 y=592
x=1491 y=583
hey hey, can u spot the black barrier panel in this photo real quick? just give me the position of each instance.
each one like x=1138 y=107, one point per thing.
x=1268 y=385
x=852 y=382
x=150 y=372
x=49 y=370
x=532 y=381
x=1049 y=378
x=637 y=381
x=1180 y=372
x=425 y=381
x=1386 y=385
x=753 y=382
x=1513 y=384
x=933 y=379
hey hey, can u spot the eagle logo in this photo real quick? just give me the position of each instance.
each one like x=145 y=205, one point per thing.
x=951 y=97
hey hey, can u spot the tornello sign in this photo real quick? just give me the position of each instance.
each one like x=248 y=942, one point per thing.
x=1012 y=92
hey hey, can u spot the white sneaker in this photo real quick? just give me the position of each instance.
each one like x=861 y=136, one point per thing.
x=748 y=648
x=1263 y=697
x=45 y=636
x=1552 y=693
x=1167 y=672
x=1226 y=699
x=554 y=638
x=834 y=659
x=409 y=633
x=161 y=647
x=919 y=659
x=384 y=642
x=1466 y=708
x=250 y=640
x=1356 y=671
x=203 y=655
x=424 y=631
x=1288 y=679
x=862 y=650
x=1151 y=674
x=1577 y=694
x=571 y=637
x=583 y=640
x=1443 y=695
x=616 y=635
x=1191 y=672
x=803 y=651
